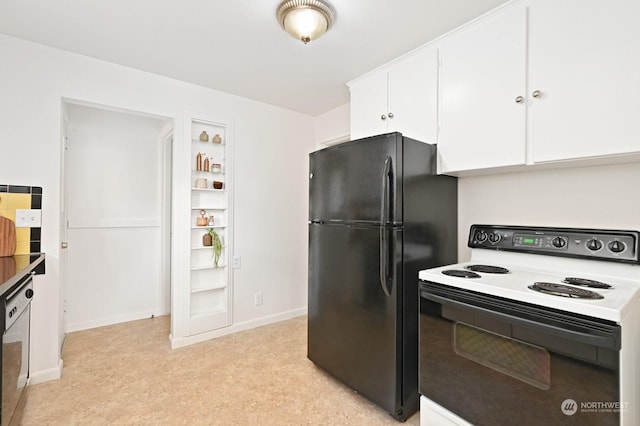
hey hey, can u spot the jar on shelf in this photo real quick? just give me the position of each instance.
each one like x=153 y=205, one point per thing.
x=204 y=136
x=216 y=168
x=216 y=139
x=207 y=240
x=217 y=184
x=210 y=222
x=201 y=183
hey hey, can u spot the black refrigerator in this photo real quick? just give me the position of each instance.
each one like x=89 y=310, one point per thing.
x=378 y=214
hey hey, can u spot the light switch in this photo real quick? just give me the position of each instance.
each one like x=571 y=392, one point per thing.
x=28 y=218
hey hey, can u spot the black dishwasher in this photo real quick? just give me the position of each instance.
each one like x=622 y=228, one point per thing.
x=15 y=351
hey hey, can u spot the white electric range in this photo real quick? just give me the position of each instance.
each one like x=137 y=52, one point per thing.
x=542 y=310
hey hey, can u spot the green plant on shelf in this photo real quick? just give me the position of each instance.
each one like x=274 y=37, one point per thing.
x=217 y=246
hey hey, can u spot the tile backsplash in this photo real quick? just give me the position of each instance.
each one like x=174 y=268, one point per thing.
x=17 y=197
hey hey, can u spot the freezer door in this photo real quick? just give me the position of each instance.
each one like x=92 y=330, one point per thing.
x=355 y=311
x=358 y=181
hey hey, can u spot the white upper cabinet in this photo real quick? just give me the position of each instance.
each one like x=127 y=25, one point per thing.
x=482 y=99
x=541 y=81
x=369 y=105
x=401 y=97
x=585 y=64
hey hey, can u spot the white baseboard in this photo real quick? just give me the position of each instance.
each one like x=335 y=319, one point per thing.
x=86 y=325
x=180 y=342
x=55 y=373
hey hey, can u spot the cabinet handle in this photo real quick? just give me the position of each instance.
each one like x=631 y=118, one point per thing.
x=390 y=115
x=536 y=94
x=519 y=99
x=383 y=117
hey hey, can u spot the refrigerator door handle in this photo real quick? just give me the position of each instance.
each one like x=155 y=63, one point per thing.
x=385 y=280
x=385 y=200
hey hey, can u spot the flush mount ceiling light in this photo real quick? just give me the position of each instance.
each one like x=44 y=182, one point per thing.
x=306 y=20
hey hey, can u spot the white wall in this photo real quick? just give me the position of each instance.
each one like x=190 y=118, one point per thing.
x=584 y=197
x=271 y=147
x=333 y=126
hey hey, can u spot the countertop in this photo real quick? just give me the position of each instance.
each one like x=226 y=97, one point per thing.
x=14 y=268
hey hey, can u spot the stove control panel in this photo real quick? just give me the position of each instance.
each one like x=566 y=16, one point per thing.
x=611 y=245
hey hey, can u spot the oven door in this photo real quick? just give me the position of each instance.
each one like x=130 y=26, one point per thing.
x=496 y=361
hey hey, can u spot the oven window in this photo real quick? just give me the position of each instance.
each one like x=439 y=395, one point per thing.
x=529 y=363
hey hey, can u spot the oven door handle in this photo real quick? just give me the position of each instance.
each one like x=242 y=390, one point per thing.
x=523 y=329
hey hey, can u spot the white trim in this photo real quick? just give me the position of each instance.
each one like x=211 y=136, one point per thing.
x=180 y=342
x=113 y=223
x=41 y=376
x=101 y=322
x=336 y=140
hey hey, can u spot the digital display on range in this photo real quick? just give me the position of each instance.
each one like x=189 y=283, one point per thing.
x=527 y=241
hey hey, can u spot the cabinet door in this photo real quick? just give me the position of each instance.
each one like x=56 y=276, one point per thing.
x=413 y=96
x=482 y=73
x=368 y=105
x=585 y=59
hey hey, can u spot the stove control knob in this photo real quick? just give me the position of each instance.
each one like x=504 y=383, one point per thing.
x=494 y=238
x=594 y=245
x=617 y=246
x=481 y=236
x=559 y=242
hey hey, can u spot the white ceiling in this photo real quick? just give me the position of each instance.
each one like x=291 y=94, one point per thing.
x=237 y=46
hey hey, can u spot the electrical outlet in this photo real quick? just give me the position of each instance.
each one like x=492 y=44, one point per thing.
x=257 y=298
x=237 y=262
x=28 y=218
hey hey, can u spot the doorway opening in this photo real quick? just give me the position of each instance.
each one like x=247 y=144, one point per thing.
x=116 y=215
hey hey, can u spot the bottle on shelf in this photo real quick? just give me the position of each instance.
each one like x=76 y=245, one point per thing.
x=205 y=168
x=199 y=162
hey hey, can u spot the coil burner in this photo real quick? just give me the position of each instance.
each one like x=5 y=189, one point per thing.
x=460 y=273
x=564 y=291
x=585 y=282
x=487 y=269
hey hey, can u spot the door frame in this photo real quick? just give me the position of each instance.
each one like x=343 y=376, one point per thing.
x=165 y=138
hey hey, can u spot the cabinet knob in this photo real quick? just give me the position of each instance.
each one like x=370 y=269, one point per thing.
x=64 y=245
x=383 y=117
x=536 y=94
x=519 y=99
x=390 y=115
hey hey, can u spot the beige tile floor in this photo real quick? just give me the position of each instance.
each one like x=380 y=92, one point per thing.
x=126 y=374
